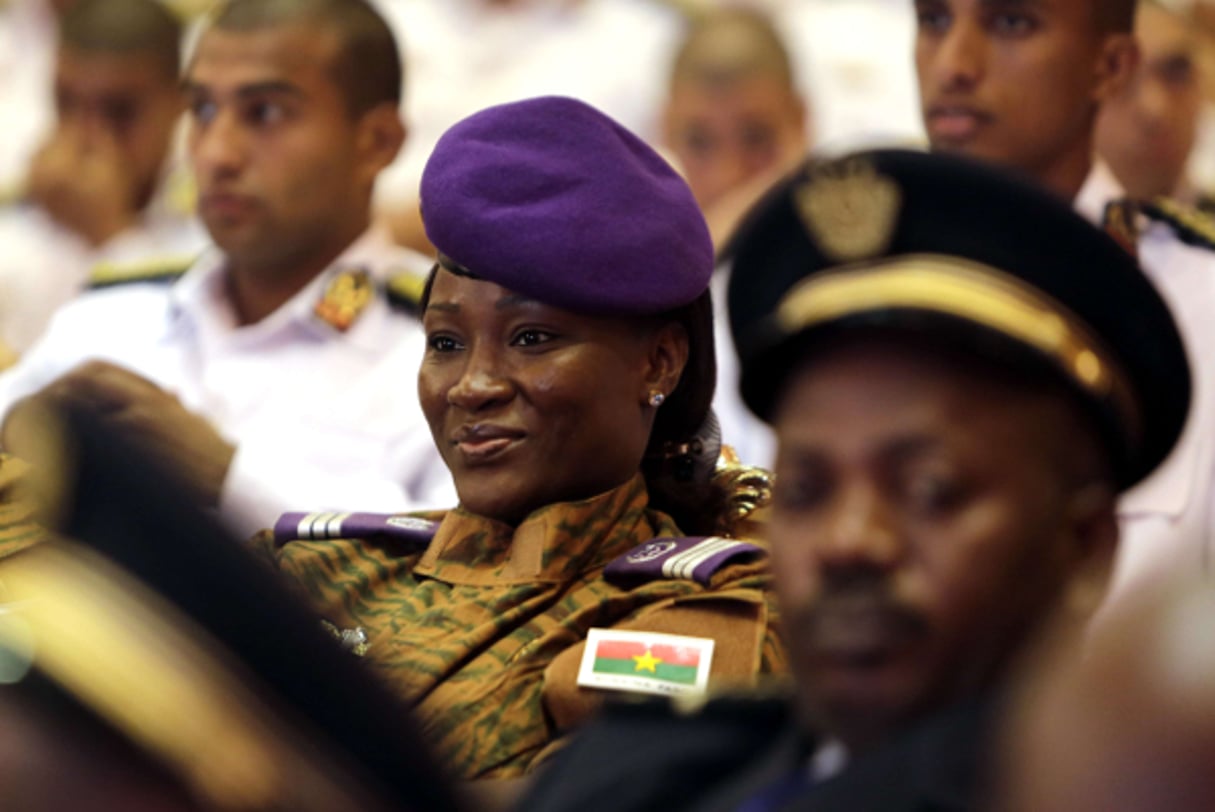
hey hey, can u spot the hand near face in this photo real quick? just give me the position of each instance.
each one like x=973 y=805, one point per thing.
x=133 y=405
x=81 y=180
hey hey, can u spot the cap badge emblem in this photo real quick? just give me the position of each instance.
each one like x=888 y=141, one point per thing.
x=850 y=211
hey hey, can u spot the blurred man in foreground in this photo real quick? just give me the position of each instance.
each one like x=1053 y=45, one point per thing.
x=955 y=416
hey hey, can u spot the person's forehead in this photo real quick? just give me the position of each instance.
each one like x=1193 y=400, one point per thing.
x=135 y=71
x=1162 y=32
x=1082 y=11
x=298 y=53
x=872 y=380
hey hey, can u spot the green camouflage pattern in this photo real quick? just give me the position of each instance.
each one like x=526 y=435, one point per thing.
x=466 y=628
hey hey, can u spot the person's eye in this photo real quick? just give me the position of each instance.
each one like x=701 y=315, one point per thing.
x=531 y=338
x=931 y=18
x=932 y=494
x=203 y=110
x=1013 y=24
x=264 y=113
x=441 y=342
x=799 y=491
x=1177 y=72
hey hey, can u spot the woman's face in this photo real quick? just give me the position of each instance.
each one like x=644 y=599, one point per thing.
x=530 y=404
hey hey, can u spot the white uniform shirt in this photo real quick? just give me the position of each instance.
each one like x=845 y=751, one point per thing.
x=750 y=437
x=321 y=419
x=1168 y=520
x=44 y=265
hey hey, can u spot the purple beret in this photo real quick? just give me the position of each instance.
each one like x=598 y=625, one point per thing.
x=552 y=199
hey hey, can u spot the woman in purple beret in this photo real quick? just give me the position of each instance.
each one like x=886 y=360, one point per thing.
x=567 y=383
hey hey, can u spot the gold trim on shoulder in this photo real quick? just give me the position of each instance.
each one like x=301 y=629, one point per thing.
x=406 y=287
x=147 y=669
x=161 y=268
x=849 y=209
x=976 y=293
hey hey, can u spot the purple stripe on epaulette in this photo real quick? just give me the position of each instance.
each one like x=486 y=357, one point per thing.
x=320 y=526
x=693 y=558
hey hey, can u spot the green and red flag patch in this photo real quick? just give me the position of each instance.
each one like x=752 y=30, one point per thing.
x=645 y=662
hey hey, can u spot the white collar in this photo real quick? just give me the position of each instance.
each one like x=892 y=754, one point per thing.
x=200 y=294
x=1100 y=187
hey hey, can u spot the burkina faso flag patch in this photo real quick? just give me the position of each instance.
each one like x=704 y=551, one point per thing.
x=645 y=662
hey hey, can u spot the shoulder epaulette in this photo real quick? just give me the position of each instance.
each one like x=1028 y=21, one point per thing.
x=678 y=559
x=160 y=269
x=322 y=526
x=1192 y=226
x=404 y=291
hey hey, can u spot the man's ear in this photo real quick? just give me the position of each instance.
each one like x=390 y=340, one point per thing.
x=1116 y=66
x=1093 y=526
x=379 y=138
x=666 y=357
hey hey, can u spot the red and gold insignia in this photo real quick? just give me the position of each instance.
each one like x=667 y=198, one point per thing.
x=347 y=295
x=849 y=210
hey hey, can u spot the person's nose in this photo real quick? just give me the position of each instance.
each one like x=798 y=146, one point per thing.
x=860 y=532
x=1152 y=102
x=958 y=63
x=218 y=146
x=483 y=381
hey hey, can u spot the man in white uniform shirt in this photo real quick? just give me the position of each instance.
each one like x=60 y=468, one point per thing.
x=102 y=187
x=1020 y=84
x=274 y=373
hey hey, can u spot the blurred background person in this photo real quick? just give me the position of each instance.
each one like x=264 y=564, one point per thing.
x=733 y=123
x=1146 y=132
x=734 y=119
x=27 y=64
x=104 y=186
x=270 y=372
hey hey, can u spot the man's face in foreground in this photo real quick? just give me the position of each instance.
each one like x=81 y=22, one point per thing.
x=922 y=526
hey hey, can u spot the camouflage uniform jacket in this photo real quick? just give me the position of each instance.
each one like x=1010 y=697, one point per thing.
x=483 y=629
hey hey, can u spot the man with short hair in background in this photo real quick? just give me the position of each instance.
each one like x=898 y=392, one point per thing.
x=1021 y=84
x=104 y=186
x=1147 y=132
x=734 y=122
x=274 y=372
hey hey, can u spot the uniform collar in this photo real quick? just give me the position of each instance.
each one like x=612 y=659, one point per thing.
x=200 y=296
x=1100 y=187
x=475 y=550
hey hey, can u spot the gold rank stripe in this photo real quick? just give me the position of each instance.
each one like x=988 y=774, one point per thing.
x=977 y=293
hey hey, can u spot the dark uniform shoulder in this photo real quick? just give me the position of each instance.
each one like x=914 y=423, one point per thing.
x=657 y=753
x=1193 y=226
x=403 y=290
x=155 y=269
